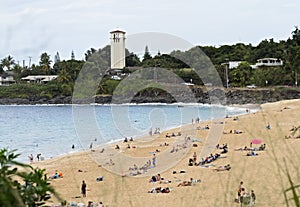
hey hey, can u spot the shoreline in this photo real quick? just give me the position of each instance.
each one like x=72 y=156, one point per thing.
x=145 y=136
x=215 y=188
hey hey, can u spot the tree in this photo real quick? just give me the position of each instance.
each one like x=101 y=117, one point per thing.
x=20 y=184
x=241 y=75
x=56 y=58
x=132 y=60
x=296 y=35
x=45 y=63
x=147 y=55
x=7 y=62
x=72 y=55
x=89 y=53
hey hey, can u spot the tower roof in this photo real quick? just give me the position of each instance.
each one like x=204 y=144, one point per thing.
x=117 y=31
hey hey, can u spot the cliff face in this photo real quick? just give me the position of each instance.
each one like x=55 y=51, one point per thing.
x=228 y=97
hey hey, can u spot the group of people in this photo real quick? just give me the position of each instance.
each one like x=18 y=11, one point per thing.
x=56 y=175
x=207 y=160
x=126 y=139
x=160 y=190
x=38 y=157
x=244 y=197
x=156 y=131
x=144 y=168
x=173 y=135
x=224 y=148
x=197 y=120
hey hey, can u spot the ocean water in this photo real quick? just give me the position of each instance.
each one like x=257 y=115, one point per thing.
x=52 y=129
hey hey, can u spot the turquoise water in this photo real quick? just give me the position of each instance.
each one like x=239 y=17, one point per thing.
x=52 y=130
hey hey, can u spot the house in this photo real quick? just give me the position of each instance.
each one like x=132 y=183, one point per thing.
x=269 y=62
x=234 y=64
x=6 y=79
x=39 y=78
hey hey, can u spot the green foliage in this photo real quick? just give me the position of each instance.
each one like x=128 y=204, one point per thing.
x=20 y=184
x=26 y=90
x=296 y=35
x=183 y=63
x=45 y=63
x=147 y=55
x=242 y=75
x=7 y=62
x=132 y=60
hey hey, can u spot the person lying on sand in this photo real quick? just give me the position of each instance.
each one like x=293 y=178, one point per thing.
x=242 y=149
x=252 y=153
x=186 y=183
x=155 y=178
x=223 y=168
x=159 y=190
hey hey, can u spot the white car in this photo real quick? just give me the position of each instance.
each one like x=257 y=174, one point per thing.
x=115 y=77
x=251 y=86
x=187 y=84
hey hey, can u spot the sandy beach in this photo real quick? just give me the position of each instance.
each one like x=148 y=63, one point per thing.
x=265 y=173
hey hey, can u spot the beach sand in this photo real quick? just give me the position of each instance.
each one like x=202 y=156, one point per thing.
x=266 y=173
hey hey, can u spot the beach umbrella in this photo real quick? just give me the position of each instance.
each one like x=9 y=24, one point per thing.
x=256 y=141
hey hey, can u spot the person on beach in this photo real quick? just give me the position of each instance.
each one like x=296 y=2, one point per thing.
x=186 y=183
x=253 y=197
x=91 y=145
x=154 y=160
x=240 y=191
x=30 y=158
x=38 y=156
x=195 y=157
x=83 y=188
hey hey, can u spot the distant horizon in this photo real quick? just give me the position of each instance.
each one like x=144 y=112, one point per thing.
x=152 y=52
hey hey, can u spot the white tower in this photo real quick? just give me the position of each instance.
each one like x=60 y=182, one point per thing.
x=117 y=49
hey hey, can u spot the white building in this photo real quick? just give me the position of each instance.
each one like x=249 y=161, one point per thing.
x=6 y=79
x=268 y=62
x=39 y=78
x=117 y=49
x=233 y=64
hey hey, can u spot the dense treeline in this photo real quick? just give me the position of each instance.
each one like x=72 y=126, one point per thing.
x=182 y=63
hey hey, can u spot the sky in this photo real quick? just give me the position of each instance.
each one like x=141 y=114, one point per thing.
x=31 y=27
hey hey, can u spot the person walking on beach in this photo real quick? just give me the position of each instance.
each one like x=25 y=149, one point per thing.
x=252 y=197
x=240 y=191
x=83 y=189
x=154 y=160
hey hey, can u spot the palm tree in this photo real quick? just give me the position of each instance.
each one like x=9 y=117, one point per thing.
x=45 y=62
x=8 y=62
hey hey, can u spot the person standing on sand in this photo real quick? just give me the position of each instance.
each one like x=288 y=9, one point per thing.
x=253 y=197
x=154 y=160
x=30 y=158
x=240 y=191
x=83 y=189
x=195 y=157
